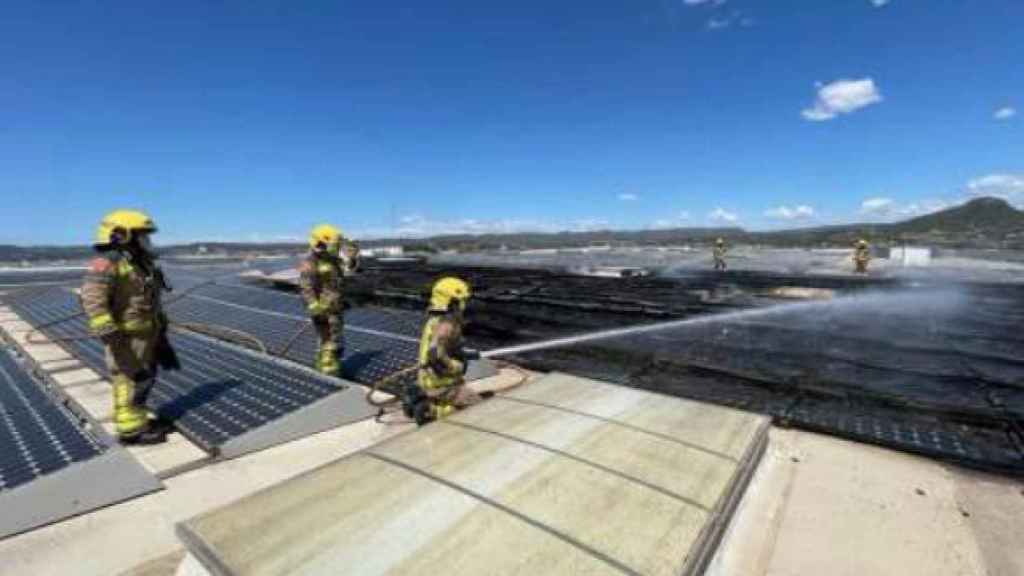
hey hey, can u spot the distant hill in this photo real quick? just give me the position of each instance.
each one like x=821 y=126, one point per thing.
x=674 y=236
x=984 y=219
x=980 y=223
x=14 y=254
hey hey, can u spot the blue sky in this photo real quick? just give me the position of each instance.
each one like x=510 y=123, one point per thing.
x=255 y=120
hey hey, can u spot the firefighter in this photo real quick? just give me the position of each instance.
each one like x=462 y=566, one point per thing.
x=321 y=280
x=443 y=360
x=121 y=296
x=719 y=254
x=861 y=256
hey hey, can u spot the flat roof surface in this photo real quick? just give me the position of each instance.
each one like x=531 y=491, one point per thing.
x=821 y=505
x=565 y=475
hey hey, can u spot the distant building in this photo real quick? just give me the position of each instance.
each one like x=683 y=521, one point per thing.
x=613 y=271
x=383 y=251
x=910 y=255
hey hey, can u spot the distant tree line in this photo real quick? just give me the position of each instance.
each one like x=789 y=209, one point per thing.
x=983 y=223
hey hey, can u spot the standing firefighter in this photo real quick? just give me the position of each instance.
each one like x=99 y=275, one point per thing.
x=442 y=358
x=719 y=254
x=321 y=279
x=861 y=256
x=121 y=296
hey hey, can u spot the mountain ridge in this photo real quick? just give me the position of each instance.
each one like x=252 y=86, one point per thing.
x=979 y=223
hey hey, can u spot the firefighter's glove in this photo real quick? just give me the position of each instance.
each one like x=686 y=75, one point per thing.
x=104 y=328
x=317 y=309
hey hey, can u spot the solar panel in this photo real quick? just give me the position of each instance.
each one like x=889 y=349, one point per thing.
x=842 y=364
x=376 y=342
x=268 y=300
x=392 y=321
x=978 y=447
x=20 y=279
x=38 y=435
x=221 y=393
x=52 y=466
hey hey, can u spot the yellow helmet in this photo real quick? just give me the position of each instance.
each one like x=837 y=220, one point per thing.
x=445 y=291
x=720 y=241
x=862 y=242
x=121 y=226
x=326 y=238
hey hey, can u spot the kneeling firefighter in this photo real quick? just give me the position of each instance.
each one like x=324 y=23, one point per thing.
x=321 y=281
x=440 y=386
x=121 y=296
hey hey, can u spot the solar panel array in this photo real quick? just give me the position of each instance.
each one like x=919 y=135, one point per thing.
x=38 y=435
x=220 y=393
x=926 y=388
x=19 y=279
x=932 y=372
x=899 y=429
x=377 y=342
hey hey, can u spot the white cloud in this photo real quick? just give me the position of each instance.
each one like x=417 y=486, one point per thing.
x=842 y=97
x=875 y=205
x=628 y=197
x=922 y=207
x=801 y=212
x=720 y=215
x=718 y=23
x=722 y=20
x=887 y=208
x=587 y=225
x=1007 y=186
x=1005 y=113
x=418 y=226
x=681 y=219
x=879 y=3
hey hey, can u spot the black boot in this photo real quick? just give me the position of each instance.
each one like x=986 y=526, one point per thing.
x=422 y=412
x=152 y=433
x=412 y=394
